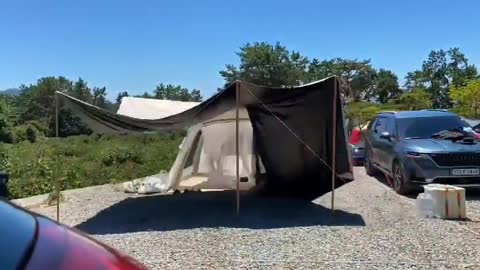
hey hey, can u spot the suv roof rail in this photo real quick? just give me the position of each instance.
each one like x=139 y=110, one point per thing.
x=436 y=110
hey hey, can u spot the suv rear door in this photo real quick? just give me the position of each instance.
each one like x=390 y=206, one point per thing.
x=379 y=126
x=386 y=146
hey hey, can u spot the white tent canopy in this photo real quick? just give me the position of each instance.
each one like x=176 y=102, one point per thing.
x=148 y=108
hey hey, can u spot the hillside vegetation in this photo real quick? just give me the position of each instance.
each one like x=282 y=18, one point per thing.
x=81 y=161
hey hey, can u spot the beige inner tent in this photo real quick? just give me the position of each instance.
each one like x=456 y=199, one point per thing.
x=207 y=155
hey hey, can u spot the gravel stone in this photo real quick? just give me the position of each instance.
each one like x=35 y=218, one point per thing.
x=371 y=228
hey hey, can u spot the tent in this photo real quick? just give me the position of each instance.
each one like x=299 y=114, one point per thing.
x=286 y=141
x=149 y=108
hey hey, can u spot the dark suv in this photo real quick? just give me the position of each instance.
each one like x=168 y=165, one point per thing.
x=415 y=148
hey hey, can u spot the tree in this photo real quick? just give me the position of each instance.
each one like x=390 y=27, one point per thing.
x=357 y=76
x=99 y=97
x=385 y=86
x=467 y=99
x=175 y=92
x=121 y=95
x=80 y=91
x=416 y=99
x=439 y=72
x=5 y=120
x=37 y=103
x=267 y=64
x=145 y=95
x=459 y=70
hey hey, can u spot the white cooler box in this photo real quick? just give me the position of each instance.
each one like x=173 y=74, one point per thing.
x=447 y=202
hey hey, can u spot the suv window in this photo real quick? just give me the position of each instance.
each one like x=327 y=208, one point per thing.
x=425 y=127
x=391 y=126
x=380 y=125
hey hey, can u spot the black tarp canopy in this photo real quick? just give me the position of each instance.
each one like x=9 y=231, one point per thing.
x=292 y=128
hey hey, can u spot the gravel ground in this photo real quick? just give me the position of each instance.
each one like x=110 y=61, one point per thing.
x=372 y=228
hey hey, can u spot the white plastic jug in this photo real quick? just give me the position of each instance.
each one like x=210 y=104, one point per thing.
x=424 y=205
x=448 y=201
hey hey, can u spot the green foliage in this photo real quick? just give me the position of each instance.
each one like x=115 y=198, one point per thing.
x=19 y=133
x=99 y=97
x=467 y=99
x=119 y=97
x=385 y=86
x=37 y=103
x=416 y=99
x=5 y=130
x=80 y=91
x=174 y=92
x=265 y=64
x=31 y=133
x=39 y=126
x=442 y=70
x=6 y=120
x=357 y=75
x=81 y=161
x=361 y=112
x=27 y=132
x=118 y=156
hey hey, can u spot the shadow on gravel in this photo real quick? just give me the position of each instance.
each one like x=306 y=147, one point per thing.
x=210 y=210
x=473 y=194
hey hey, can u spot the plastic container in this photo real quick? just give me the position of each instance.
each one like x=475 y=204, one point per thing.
x=424 y=206
x=448 y=201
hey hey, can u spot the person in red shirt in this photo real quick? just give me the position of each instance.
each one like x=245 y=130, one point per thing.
x=355 y=136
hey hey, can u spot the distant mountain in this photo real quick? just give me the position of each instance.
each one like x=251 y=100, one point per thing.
x=10 y=92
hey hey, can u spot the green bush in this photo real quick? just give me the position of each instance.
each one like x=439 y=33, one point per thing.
x=5 y=131
x=40 y=127
x=120 y=156
x=82 y=161
x=19 y=133
x=26 y=132
x=31 y=133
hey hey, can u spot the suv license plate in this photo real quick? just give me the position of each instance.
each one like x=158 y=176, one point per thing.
x=461 y=172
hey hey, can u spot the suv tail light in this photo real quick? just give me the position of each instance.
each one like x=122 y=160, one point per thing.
x=59 y=248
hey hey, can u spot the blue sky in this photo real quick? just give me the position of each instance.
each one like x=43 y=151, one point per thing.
x=134 y=45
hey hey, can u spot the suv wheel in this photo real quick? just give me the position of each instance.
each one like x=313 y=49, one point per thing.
x=399 y=180
x=369 y=168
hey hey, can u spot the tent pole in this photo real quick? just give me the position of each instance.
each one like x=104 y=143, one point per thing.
x=57 y=191
x=237 y=158
x=334 y=139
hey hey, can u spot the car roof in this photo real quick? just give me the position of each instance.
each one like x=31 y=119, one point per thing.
x=422 y=113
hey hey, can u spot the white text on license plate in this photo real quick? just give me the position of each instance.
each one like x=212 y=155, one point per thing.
x=465 y=172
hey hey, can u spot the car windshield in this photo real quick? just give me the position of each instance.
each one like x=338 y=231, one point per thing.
x=425 y=127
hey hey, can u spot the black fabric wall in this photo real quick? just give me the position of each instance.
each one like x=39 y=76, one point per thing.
x=292 y=169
